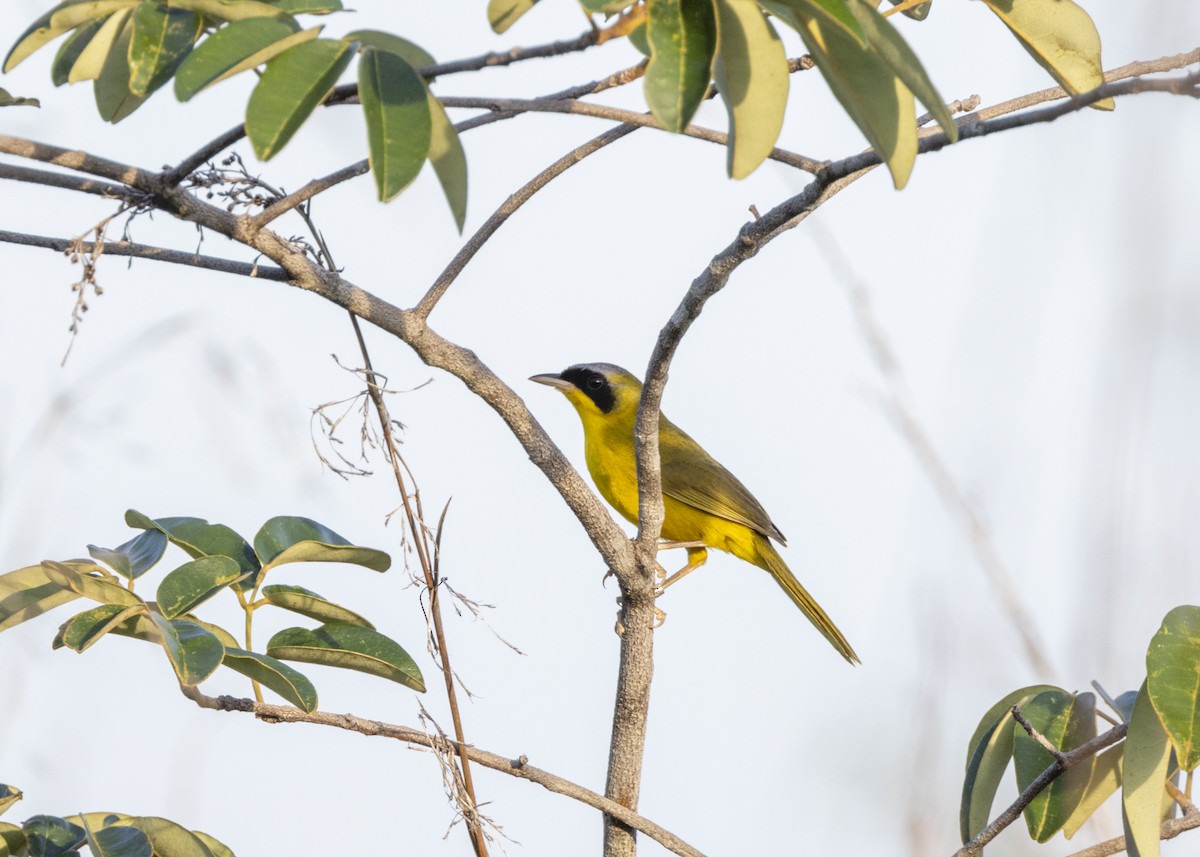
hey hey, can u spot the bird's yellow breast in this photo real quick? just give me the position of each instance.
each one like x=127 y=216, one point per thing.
x=612 y=463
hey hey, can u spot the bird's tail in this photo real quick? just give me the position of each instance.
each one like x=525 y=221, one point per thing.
x=773 y=562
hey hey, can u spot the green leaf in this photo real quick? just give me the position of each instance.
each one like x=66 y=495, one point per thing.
x=502 y=14
x=751 y=72
x=134 y=558
x=89 y=586
x=215 y=846
x=287 y=538
x=199 y=538
x=348 y=647
x=161 y=38
x=227 y=639
x=1147 y=761
x=118 y=842
x=236 y=48
x=278 y=676
x=1173 y=681
x=682 y=35
x=8 y=796
x=411 y=53
x=12 y=840
x=71 y=48
x=608 y=7
x=890 y=47
x=988 y=753
x=61 y=19
x=1061 y=37
x=195 y=582
x=869 y=91
x=310 y=604
x=138 y=627
x=290 y=88
x=308 y=7
x=917 y=13
x=82 y=630
x=396 y=108
x=639 y=39
x=51 y=836
x=27 y=593
x=1104 y=782
x=10 y=100
x=835 y=12
x=168 y=838
x=448 y=159
x=231 y=10
x=1067 y=721
x=96 y=820
x=194 y=652
x=114 y=99
x=94 y=54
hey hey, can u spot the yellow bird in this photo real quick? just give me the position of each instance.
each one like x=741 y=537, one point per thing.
x=704 y=504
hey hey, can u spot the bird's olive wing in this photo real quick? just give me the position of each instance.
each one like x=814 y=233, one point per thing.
x=690 y=475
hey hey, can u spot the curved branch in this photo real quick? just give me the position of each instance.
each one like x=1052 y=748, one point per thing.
x=518 y=767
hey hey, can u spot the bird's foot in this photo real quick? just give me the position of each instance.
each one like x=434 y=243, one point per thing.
x=660 y=617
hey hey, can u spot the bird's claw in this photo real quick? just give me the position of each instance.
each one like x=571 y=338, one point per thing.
x=660 y=618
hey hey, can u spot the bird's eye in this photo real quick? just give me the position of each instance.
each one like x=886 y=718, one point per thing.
x=595 y=382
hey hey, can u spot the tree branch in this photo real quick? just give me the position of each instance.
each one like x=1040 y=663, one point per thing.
x=68 y=182
x=501 y=214
x=147 y=251
x=518 y=767
x=1061 y=763
x=1168 y=830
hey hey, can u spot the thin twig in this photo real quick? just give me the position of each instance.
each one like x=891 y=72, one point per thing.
x=1042 y=740
x=518 y=767
x=506 y=210
x=416 y=526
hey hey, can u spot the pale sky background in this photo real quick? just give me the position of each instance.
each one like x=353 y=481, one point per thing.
x=1038 y=289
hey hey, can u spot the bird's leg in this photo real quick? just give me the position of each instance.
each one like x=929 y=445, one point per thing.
x=697 y=556
x=666 y=546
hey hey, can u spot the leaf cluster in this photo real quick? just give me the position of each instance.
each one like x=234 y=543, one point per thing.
x=221 y=561
x=106 y=834
x=131 y=48
x=1162 y=720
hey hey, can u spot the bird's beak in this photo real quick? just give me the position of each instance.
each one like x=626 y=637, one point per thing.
x=552 y=380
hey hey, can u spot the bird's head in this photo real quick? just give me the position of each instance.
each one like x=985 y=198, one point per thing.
x=596 y=388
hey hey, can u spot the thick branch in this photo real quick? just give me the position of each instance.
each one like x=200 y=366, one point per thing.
x=518 y=767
